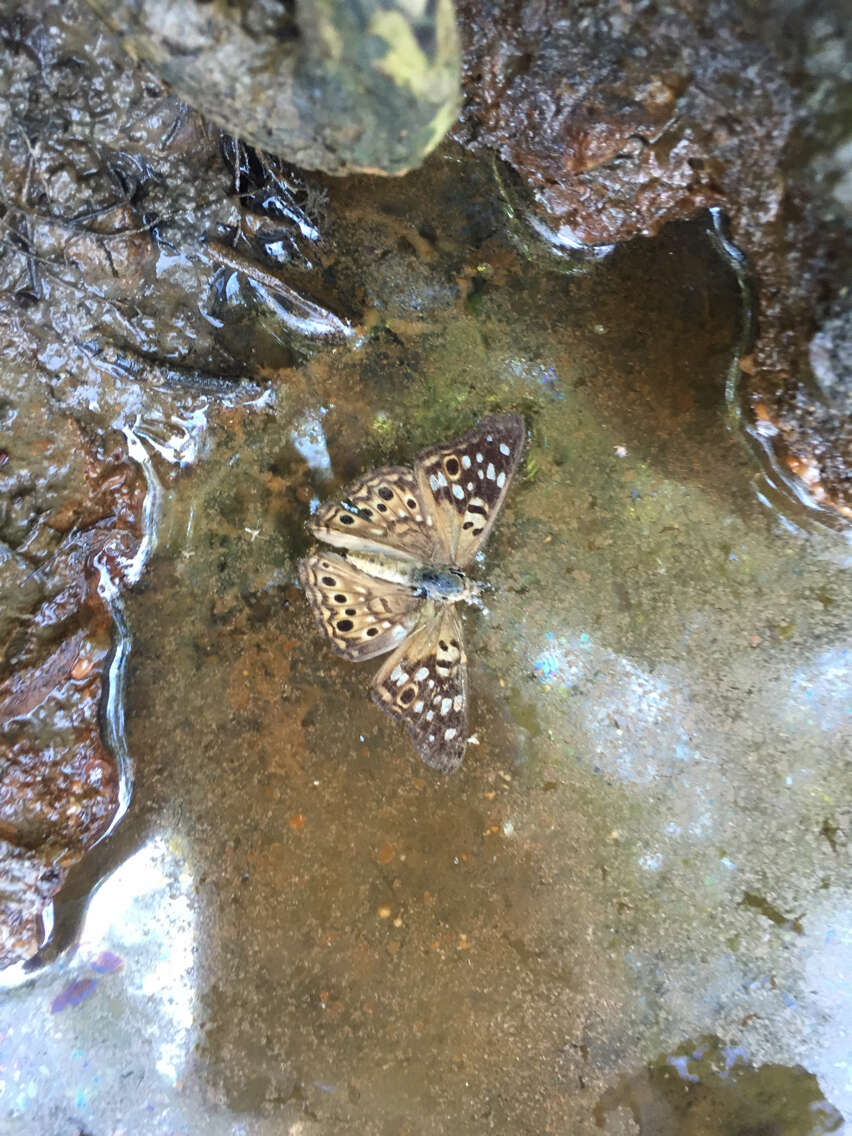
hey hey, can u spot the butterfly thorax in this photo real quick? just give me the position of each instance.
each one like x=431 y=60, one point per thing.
x=441 y=583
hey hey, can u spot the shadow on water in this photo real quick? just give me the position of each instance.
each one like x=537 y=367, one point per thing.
x=705 y=1088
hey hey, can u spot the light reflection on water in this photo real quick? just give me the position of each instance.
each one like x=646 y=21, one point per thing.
x=145 y=913
x=308 y=438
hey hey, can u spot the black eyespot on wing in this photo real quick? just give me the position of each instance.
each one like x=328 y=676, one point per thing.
x=371 y=631
x=452 y=466
x=382 y=508
x=411 y=503
x=329 y=582
x=344 y=625
x=407 y=695
x=385 y=493
x=347 y=519
x=442 y=645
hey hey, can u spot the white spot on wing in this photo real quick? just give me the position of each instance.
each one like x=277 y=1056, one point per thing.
x=418 y=706
x=458 y=492
x=491 y=473
x=504 y=449
x=421 y=674
x=466 y=461
x=433 y=481
x=446 y=703
x=450 y=734
x=501 y=479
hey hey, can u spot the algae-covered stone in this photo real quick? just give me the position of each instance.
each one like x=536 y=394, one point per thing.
x=327 y=84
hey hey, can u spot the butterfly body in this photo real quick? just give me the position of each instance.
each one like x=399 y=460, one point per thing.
x=447 y=585
x=408 y=536
x=430 y=581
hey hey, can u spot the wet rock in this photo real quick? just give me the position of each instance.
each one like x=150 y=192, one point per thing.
x=337 y=87
x=620 y=118
x=27 y=884
x=109 y=190
x=830 y=350
x=69 y=525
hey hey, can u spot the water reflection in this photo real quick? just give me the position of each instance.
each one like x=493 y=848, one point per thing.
x=144 y=913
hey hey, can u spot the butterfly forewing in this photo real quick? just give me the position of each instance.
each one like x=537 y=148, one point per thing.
x=380 y=512
x=360 y=616
x=424 y=685
x=463 y=484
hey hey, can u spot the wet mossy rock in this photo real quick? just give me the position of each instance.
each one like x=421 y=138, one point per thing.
x=331 y=85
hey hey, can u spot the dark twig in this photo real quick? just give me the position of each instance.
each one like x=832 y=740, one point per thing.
x=128 y=364
x=301 y=313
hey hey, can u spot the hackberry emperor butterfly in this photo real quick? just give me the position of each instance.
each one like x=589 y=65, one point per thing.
x=409 y=536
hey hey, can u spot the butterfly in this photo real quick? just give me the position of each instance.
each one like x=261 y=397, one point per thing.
x=408 y=537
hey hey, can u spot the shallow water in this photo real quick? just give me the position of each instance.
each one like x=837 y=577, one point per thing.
x=629 y=911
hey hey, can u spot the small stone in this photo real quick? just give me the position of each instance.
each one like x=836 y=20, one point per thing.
x=81 y=668
x=296 y=822
x=385 y=853
x=747 y=364
x=384 y=911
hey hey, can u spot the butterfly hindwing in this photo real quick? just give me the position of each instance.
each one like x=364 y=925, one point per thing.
x=463 y=484
x=424 y=685
x=380 y=512
x=360 y=616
